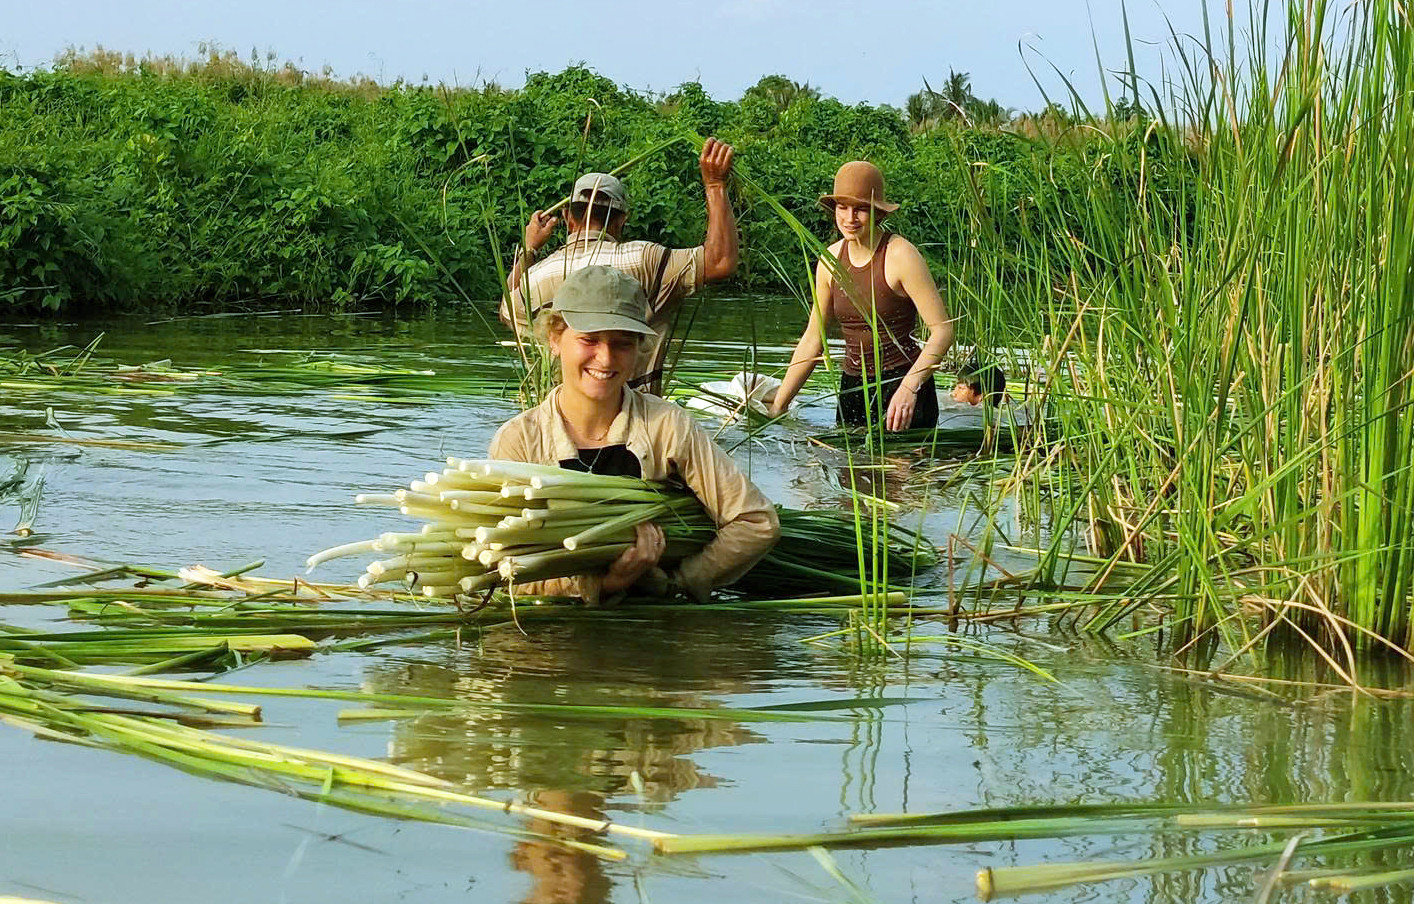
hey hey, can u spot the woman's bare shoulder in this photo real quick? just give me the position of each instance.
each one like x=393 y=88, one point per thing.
x=835 y=249
x=902 y=257
x=901 y=247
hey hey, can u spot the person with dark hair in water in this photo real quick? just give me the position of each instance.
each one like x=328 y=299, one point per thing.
x=978 y=383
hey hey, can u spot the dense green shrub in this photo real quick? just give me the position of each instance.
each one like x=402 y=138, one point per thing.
x=142 y=185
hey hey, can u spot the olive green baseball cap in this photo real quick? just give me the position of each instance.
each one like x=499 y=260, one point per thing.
x=597 y=298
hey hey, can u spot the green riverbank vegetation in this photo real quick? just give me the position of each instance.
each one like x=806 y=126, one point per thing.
x=148 y=184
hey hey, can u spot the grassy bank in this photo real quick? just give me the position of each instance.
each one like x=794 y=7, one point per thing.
x=151 y=184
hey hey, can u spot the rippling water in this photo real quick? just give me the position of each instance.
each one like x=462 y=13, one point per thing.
x=257 y=474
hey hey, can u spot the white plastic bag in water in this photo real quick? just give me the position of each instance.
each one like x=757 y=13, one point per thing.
x=727 y=399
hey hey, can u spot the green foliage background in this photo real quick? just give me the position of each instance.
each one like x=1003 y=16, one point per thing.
x=185 y=187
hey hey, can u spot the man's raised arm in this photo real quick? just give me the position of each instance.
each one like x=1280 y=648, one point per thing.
x=537 y=232
x=720 y=249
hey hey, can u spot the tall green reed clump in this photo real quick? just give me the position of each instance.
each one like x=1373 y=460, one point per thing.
x=1231 y=369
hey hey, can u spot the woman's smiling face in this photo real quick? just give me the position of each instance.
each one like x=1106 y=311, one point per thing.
x=596 y=365
x=852 y=219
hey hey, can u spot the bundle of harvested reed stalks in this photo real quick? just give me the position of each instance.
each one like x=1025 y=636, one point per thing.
x=500 y=523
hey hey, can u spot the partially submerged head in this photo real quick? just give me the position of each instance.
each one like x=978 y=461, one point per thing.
x=858 y=200
x=978 y=382
x=598 y=201
x=597 y=327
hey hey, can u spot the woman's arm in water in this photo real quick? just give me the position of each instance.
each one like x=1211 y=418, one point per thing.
x=904 y=263
x=810 y=350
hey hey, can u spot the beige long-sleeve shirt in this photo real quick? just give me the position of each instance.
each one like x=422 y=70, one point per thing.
x=667 y=442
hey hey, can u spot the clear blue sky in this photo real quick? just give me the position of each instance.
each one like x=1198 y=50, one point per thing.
x=877 y=52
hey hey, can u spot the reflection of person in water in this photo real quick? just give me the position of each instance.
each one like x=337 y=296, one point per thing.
x=584 y=766
x=563 y=875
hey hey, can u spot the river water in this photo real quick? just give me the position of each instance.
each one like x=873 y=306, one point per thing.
x=261 y=471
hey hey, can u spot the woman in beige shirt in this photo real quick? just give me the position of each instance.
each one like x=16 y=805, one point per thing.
x=594 y=422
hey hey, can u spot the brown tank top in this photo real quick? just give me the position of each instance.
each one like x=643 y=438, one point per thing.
x=895 y=313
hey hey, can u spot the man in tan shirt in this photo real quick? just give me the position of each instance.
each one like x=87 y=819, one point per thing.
x=595 y=220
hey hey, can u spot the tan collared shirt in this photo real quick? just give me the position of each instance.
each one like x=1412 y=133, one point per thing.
x=668 y=275
x=667 y=442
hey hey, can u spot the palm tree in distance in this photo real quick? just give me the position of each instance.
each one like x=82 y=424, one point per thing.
x=928 y=108
x=957 y=92
x=781 y=91
x=955 y=103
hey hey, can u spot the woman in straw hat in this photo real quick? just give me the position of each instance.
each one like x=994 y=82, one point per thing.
x=876 y=286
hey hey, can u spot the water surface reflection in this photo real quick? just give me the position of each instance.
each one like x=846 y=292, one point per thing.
x=591 y=766
x=263 y=474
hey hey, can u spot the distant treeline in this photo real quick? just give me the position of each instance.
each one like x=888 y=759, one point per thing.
x=136 y=185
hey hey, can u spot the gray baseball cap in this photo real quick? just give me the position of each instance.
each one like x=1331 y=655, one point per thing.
x=603 y=189
x=597 y=298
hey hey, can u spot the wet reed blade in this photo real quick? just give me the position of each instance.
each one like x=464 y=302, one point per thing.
x=1385 y=827
x=352 y=782
x=382 y=625
x=597 y=712
x=283 y=371
x=961 y=833
x=160 y=689
x=202 y=657
x=1003 y=882
x=315 y=624
x=981 y=648
x=148 y=647
x=40 y=682
x=1228 y=815
x=899 y=600
x=1363 y=881
x=1006 y=814
x=29 y=497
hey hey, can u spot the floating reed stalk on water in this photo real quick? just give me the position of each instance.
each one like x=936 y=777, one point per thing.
x=160 y=647
x=29 y=700
x=1370 y=828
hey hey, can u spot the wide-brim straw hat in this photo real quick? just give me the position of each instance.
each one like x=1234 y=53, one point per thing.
x=859 y=182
